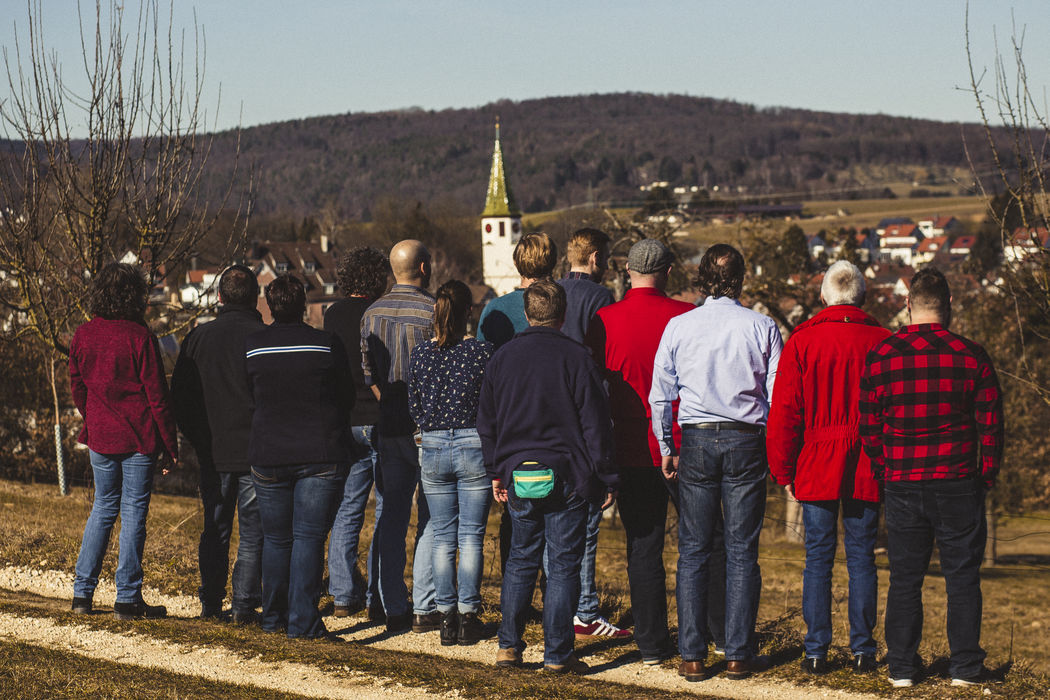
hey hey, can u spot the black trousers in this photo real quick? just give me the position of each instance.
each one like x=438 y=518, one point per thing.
x=644 y=494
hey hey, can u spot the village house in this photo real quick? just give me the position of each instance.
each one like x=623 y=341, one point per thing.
x=1024 y=243
x=313 y=262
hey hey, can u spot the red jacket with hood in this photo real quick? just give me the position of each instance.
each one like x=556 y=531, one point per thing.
x=812 y=437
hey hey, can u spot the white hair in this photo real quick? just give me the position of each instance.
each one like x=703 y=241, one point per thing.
x=843 y=284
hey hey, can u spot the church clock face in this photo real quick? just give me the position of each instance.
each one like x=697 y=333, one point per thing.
x=488 y=228
x=515 y=227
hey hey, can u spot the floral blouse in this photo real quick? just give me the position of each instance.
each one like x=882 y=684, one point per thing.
x=444 y=383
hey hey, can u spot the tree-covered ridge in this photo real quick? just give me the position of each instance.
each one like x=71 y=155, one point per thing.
x=561 y=151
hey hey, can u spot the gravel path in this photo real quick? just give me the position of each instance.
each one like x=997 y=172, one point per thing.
x=232 y=668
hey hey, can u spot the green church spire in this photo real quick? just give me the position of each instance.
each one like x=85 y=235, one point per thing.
x=499 y=201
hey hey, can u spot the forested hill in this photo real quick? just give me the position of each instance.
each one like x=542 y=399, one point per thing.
x=561 y=151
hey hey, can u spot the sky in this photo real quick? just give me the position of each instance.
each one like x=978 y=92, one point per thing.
x=275 y=60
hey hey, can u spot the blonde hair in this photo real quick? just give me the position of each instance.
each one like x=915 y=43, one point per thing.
x=583 y=244
x=535 y=255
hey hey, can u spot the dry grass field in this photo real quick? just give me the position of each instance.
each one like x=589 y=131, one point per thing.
x=42 y=530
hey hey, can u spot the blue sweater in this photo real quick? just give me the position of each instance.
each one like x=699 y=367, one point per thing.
x=583 y=298
x=502 y=318
x=542 y=400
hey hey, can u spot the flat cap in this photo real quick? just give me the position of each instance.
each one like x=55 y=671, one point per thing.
x=648 y=256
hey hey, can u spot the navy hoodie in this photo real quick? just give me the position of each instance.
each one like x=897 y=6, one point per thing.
x=542 y=400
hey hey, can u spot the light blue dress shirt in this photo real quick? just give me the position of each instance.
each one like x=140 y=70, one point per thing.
x=720 y=359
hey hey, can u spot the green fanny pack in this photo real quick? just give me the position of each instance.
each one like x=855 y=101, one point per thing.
x=533 y=480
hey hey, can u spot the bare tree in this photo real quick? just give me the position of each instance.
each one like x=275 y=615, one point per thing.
x=1019 y=178
x=111 y=171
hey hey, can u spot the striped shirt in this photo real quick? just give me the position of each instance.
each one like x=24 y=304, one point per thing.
x=394 y=324
x=929 y=403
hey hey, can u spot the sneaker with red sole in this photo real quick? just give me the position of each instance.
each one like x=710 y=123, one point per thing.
x=599 y=627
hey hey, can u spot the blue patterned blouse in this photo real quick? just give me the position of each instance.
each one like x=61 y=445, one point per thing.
x=444 y=383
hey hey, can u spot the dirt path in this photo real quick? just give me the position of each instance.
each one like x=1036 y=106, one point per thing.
x=229 y=667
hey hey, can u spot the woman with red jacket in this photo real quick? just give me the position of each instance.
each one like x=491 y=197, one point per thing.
x=118 y=385
x=813 y=446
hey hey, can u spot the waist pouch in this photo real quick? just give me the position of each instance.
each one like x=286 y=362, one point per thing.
x=533 y=480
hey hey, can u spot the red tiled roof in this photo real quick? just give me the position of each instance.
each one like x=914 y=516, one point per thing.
x=964 y=242
x=930 y=245
x=900 y=230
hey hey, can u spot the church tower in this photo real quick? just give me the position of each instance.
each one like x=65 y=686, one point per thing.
x=500 y=228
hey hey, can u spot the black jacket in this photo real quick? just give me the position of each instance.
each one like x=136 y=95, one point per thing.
x=344 y=319
x=542 y=400
x=210 y=393
x=303 y=393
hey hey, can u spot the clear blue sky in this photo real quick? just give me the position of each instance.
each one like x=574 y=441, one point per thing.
x=277 y=60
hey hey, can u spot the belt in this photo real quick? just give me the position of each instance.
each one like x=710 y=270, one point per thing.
x=728 y=425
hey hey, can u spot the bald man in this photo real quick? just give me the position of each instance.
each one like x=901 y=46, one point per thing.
x=390 y=328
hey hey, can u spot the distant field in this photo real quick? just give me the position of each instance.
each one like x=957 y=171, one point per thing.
x=858 y=213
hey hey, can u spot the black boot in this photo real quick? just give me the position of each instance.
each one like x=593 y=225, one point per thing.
x=449 y=628
x=138 y=611
x=471 y=630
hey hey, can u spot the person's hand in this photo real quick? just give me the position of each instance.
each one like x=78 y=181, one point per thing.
x=790 y=488
x=669 y=466
x=498 y=492
x=167 y=464
x=610 y=498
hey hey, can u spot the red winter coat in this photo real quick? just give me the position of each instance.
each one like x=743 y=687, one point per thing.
x=812 y=437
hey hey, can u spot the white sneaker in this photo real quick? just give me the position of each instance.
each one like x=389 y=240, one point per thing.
x=963 y=683
x=600 y=627
x=902 y=682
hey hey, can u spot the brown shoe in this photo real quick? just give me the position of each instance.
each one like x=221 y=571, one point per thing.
x=508 y=658
x=571 y=665
x=692 y=671
x=737 y=670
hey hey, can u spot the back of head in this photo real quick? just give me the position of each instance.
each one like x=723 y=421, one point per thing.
x=238 y=286
x=545 y=304
x=535 y=256
x=286 y=297
x=843 y=284
x=584 y=243
x=929 y=293
x=410 y=263
x=451 y=311
x=363 y=272
x=648 y=262
x=721 y=272
x=119 y=292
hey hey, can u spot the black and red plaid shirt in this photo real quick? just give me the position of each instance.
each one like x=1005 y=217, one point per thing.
x=928 y=400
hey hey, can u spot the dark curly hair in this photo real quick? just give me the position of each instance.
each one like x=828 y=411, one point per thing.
x=119 y=292
x=363 y=272
x=286 y=297
x=721 y=272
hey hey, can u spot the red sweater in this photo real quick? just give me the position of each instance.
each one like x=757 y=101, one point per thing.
x=117 y=379
x=813 y=433
x=623 y=338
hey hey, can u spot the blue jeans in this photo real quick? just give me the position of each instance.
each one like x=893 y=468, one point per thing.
x=397 y=479
x=719 y=469
x=123 y=484
x=345 y=582
x=557 y=523
x=859 y=523
x=917 y=513
x=222 y=495
x=296 y=504
x=587 y=606
x=458 y=492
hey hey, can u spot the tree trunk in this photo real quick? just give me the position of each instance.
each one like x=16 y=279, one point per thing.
x=60 y=461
